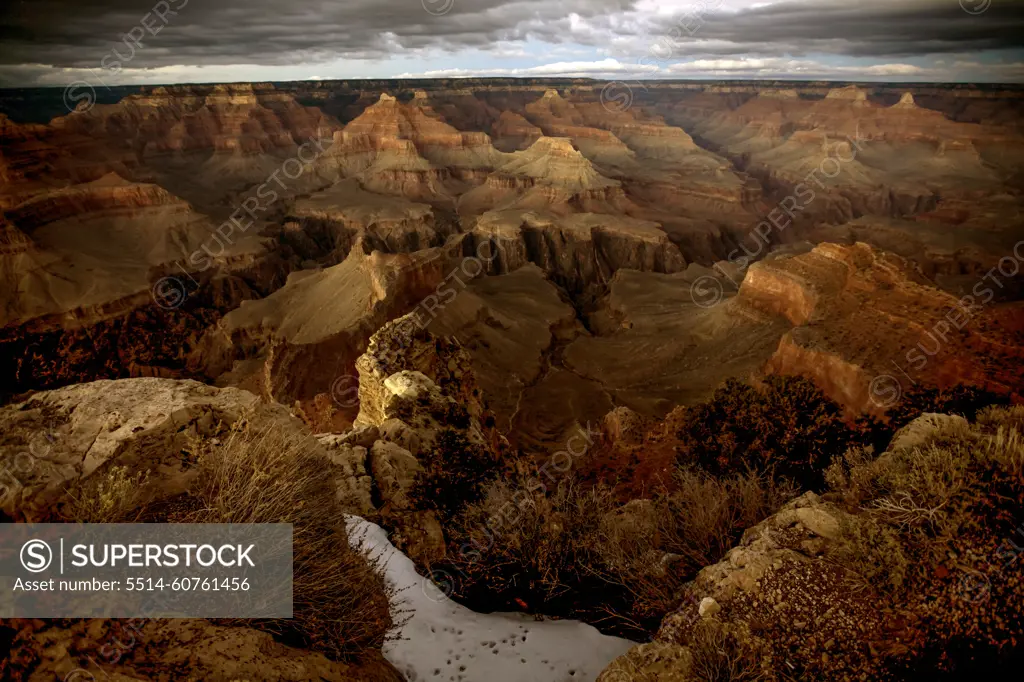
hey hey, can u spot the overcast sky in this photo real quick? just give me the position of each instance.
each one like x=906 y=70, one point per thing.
x=54 y=42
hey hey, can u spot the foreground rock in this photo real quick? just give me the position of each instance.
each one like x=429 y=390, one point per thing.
x=835 y=587
x=412 y=385
x=163 y=650
x=60 y=449
x=59 y=439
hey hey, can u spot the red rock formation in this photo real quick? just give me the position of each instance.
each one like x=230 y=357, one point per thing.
x=184 y=119
x=860 y=314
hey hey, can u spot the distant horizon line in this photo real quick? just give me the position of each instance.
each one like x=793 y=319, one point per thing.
x=534 y=79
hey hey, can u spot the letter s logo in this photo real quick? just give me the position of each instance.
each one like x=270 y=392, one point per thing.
x=36 y=556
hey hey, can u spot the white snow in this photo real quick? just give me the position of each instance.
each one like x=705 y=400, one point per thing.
x=446 y=642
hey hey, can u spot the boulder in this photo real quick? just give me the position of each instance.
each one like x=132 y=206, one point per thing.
x=56 y=438
x=149 y=426
x=924 y=429
x=394 y=470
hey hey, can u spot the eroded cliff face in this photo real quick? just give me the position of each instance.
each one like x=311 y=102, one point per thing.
x=580 y=251
x=298 y=342
x=868 y=326
x=190 y=119
x=857 y=152
x=537 y=173
x=78 y=301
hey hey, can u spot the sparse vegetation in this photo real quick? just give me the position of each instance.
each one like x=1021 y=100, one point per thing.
x=578 y=546
x=529 y=545
x=112 y=496
x=455 y=474
x=261 y=474
x=683 y=530
x=721 y=656
x=786 y=428
x=342 y=603
x=954 y=483
x=873 y=550
x=930 y=531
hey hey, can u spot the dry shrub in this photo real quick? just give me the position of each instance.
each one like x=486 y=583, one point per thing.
x=786 y=427
x=680 y=532
x=849 y=474
x=873 y=551
x=544 y=545
x=722 y=656
x=1005 y=449
x=704 y=516
x=935 y=489
x=113 y=496
x=1008 y=418
x=915 y=502
x=455 y=473
x=262 y=474
x=579 y=540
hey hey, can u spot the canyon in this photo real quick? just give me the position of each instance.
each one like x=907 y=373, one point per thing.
x=370 y=265
x=257 y=235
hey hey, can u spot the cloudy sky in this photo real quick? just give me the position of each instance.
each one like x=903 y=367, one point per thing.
x=54 y=42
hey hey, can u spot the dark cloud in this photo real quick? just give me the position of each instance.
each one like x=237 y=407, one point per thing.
x=82 y=33
x=77 y=33
x=861 y=29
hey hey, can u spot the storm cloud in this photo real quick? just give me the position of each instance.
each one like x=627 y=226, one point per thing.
x=54 y=36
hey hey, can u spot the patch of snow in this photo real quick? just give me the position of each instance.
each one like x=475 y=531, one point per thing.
x=446 y=642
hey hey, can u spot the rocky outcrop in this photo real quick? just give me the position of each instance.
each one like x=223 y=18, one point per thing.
x=141 y=650
x=306 y=336
x=579 y=251
x=58 y=439
x=412 y=385
x=811 y=589
x=409 y=375
x=776 y=583
x=839 y=297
